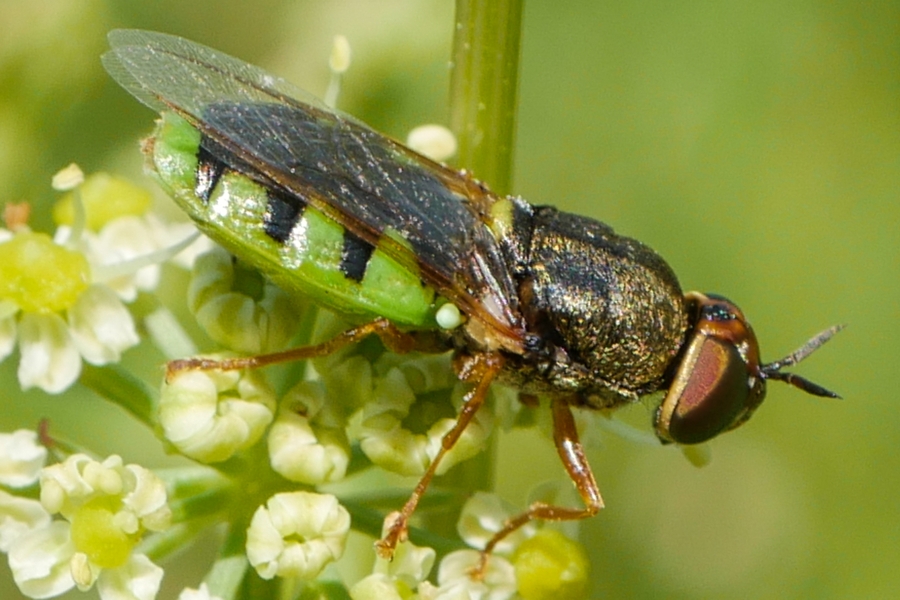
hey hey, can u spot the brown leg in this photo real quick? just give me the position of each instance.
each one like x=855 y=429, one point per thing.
x=565 y=435
x=481 y=369
x=392 y=337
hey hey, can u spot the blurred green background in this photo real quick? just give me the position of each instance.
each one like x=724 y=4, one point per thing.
x=756 y=146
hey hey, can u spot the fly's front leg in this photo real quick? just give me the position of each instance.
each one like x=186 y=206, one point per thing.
x=480 y=369
x=565 y=436
x=393 y=338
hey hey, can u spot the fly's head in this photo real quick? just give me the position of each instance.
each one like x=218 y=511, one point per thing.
x=719 y=381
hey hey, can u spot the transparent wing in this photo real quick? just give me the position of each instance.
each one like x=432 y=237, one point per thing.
x=427 y=217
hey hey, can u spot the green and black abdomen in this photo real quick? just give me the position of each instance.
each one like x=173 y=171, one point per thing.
x=609 y=311
x=297 y=246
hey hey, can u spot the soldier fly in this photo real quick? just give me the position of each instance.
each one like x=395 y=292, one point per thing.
x=428 y=258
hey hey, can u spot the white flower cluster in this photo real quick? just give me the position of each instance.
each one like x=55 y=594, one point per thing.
x=405 y=577
x=84 y=529
x=62 y=299
x=92 y=514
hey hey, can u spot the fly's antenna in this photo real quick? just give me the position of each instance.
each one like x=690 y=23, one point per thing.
x=773 y=370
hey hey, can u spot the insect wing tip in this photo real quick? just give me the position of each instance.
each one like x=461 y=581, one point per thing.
x=127 y=62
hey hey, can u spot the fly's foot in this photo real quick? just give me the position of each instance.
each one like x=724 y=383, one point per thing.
x=396 y=533
x=477 y=572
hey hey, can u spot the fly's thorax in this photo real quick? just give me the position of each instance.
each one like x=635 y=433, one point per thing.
x=607 y=313
x=295 y=245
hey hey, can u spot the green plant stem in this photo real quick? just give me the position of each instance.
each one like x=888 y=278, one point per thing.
x=119 y=386
x=484 y=87
x=483 y=91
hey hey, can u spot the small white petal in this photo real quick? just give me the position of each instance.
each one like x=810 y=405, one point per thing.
x=425 y=374
x=199 y=594
x=231 y=317
x=297 y=534
x=19 y=516
x=101 y=326
x=300 y=447
x=485 y=514
x=455 y=577
x=21 y=458
x=455 y=591
x=376 y=586
x=123 y=239
x=67 y=178
x=264 y=544
x=469 y=444
x=210 y=415
x=126 y=521
x=8 y=328
x=65 y=485
x=427 y=591
x=68 y=485
x=147 y=498
x=137 y=579
x=188 y=404
x=39 y=561
x=382 y=437
x=104 y=477
x=49 y=359
x=83 y=572
x=410 y=564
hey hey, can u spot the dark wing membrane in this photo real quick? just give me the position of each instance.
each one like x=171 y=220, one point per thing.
x=374 y=186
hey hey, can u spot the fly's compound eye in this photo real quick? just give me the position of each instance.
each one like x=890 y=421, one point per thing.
x=717 y=384
x=719 y=381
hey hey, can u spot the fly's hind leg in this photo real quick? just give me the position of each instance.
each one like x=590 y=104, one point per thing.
x=565 y=436
x=480 y=369
x=393 y=338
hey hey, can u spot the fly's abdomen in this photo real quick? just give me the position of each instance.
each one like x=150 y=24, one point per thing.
x=295 y=245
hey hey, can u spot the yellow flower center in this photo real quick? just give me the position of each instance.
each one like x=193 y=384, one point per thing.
x=105 y=198
x=40 y=276
x=550 y=565
x=95 y=533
